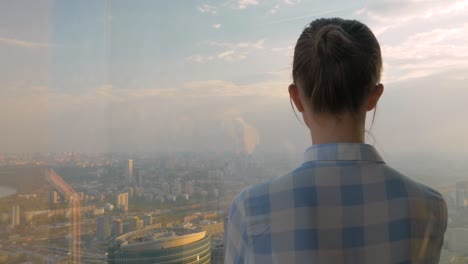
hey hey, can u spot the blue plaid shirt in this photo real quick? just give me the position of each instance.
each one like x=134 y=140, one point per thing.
x=342 y=205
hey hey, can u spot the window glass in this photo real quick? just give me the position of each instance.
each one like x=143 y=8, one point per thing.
x=127 y=127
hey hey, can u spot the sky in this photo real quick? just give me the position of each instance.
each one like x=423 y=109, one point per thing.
x=153 y=75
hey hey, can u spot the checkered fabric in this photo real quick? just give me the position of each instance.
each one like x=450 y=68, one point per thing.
x=342 y=205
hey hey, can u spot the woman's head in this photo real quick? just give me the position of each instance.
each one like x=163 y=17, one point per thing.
x=336 y=68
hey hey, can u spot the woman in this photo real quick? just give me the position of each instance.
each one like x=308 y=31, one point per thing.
x=344 y=204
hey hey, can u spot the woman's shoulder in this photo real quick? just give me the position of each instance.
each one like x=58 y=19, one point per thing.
x=414 y=188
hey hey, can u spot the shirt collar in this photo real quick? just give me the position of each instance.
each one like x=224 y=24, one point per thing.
x=342 y=151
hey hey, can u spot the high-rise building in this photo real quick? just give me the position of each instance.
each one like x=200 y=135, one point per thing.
x=138 y=177
x=188 y=187
x=162 y=246
x=15 y=215
x=121 y=202
x=117 y=227
x=166 y=188
x=134 y=223
x=148 y=220
x=117 y=202
x=103 y=227
x=125 y=199
x=176 y=187
x=130 y=170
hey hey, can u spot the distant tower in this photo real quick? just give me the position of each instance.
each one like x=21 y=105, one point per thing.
x=125 y=201
x=138 y=177
x=130 y=170
x=15 y=215
x=117 y=202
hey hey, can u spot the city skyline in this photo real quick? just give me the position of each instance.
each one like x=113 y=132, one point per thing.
x=89 y=204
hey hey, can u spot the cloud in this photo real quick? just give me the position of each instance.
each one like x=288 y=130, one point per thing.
x=320 y=13
x=443 y=43
x=206 y=8
x=274 y=9
x=229 y=51
x=216 y=26
x=241 y=4
x=272 y=88
x=288 y=51
x=418 y=38
x=118 y=95
x=280 y=3
x=239 y=45
x=441 y=50
x=388 y=15
x=226 y=55
x=291 y=2
x=200 y=58
x=24 y=44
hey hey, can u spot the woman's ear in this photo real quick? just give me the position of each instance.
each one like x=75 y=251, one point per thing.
x=374 y=97
x=294 y=94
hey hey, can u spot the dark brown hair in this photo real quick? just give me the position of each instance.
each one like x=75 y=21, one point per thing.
x=337 y=63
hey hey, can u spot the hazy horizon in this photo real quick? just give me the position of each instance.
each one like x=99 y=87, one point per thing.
x=154 y=76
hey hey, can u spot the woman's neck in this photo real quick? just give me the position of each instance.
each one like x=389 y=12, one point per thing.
x=326 y=128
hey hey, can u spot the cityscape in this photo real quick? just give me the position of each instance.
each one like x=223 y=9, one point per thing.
x=128 y=127
x=82 y=208
x=90 y=208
